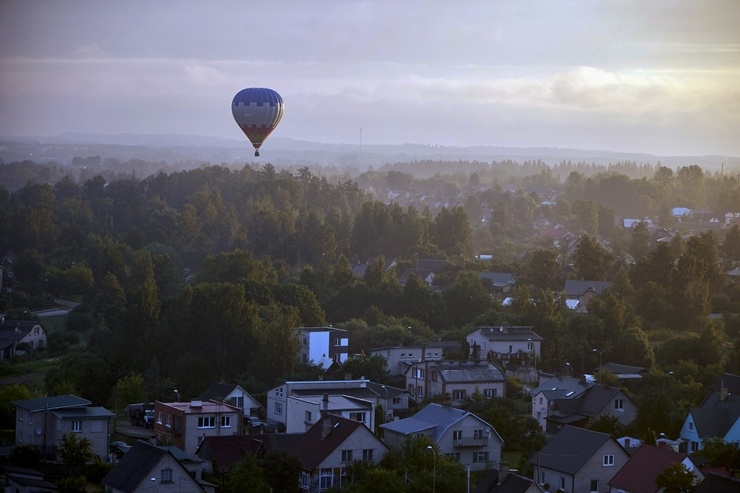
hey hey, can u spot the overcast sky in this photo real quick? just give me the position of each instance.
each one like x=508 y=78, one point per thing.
x=654 y=76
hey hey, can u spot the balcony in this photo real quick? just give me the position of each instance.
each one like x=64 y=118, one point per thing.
x=470 y=442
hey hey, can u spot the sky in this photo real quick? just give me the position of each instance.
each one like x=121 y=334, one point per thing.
x=658 y=76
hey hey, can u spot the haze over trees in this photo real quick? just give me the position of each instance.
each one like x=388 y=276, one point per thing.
x=195 y=276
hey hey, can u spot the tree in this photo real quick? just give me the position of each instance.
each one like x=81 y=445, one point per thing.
x=75 y=451
x=247 y=477
x=373 y=368
x=281 y=470
x=75 y=484
x=591 y=260
x=542 y=268
x=640 y=241
x=731 y=245
x=129 y=389
x=675 y=478
x=8 y=394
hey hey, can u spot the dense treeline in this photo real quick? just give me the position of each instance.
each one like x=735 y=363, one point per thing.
x=196 y=276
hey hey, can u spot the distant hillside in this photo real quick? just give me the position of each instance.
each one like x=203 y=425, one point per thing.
x=171 y=148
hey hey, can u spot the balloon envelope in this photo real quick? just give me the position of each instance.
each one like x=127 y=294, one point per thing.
x=257 y=111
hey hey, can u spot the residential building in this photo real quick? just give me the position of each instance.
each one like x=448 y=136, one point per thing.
x=148 y=468
x=639 y=473
x=577 y=460
x=302 y=412
x=499 y=284
x=597 y=401
x=349 y=396
x=458 y=434
x=514 y=483
x=624 y=373
x=185 y=424
x=26 y=480
x=317 y=343
x=359 y=269
x=714 y=483
x=512 y=346
x=44 y=421
x=457 y=380
x=234 y=395
x=545 y=394
x=584 y=291
x=329 y=449
x=20 y=336
x=716 y=417
x=399 y=358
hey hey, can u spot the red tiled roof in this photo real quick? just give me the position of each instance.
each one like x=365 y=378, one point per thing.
x=639 y=473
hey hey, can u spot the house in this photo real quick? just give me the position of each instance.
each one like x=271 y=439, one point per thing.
x=234 y=395
x=398 y=358
x=458 y=434
x=597 y=401
x=714 y=483
x=623 y=372
x=514 y=483
x=545 y=394
x=716 y=417
x=225 y=451
x=639 y=473
x=146 y=467
x=25 y=480
x=358 y=398
x=578 y=460
x=359 y=269
x=20 y=335
x=328 y=450
x=185 y=424
x=43 y=421
x=457 y=380
x=584 y=291
x=425 y=276
x=512 y=346
x=316 y=343
x=499 y=284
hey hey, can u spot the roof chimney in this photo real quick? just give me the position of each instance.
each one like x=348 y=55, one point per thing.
x=503 y=471
x=627 y=443
x=724 y=393
x=326 y=427
x=505 y=327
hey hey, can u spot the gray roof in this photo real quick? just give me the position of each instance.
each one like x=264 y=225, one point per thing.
x=498 y=279
x=560 y=386
x=570 y=449
x=579 y=288
x=714 y=417
x=218 y=391
x=83 y=412
x=469 y=373
x=619 y=369
x=52 y=403
x=508 y=333
x=433 y=417
x=513 y=483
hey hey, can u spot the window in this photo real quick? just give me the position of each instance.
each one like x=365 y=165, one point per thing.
x=458 y=394
x=539 y=415
x=457 y=434
x=357 y=417
x=305 y=480
x=166 y=475
x=367 y=454
x=608 y=460
x=346 y=456
x=225 y=421
x=304 y=341
x=562 y=483
x=77 y=426
x=454 y=456
x=433 y=375
x=336 y=342
x=540 y=399
x=411 y=388
x=619 y=404
x=278 y=408
x=279 y=392
x=307 y=416
x=168 y=423
x=479 y=457
x=691 y=426
x=206 y=422
x=419 y=373
x=325 y=478
x=530 y=346
x=159 y=417
x=419 y=391
x=511 y=349
x=478 y=434
x=396 y=400
x=594 y=485
x=489 y=393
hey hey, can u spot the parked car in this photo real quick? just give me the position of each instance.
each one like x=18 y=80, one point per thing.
x=253 y=421
x=273 y=426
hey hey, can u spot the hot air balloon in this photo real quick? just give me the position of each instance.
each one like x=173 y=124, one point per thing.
x=257 y=111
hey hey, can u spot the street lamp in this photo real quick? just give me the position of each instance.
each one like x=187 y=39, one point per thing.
x=670 y=373
x=178 y=394
x=153 y=480
x=601 y=361
x=434 y=470
x=570 y=369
